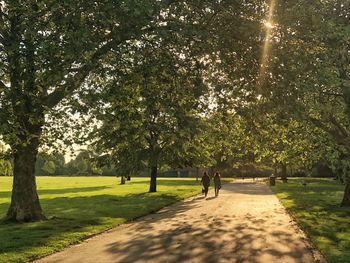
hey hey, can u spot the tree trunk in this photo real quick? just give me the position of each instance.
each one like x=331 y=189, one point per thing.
x=284 y=172
x=346 y=197
x=122 y=179
x=25 y=205
x=153 y=183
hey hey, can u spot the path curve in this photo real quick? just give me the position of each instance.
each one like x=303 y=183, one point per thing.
x=246 y=223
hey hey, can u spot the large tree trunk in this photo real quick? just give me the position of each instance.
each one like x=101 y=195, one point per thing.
x=28 y=118
x=153 y=182
x=346 y=197
x=25 y=205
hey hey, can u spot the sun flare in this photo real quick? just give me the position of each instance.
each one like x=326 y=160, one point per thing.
x=264 y=60
x=269 y=25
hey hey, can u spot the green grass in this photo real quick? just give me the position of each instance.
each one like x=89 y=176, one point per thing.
x=316 y=208
x=81 y=206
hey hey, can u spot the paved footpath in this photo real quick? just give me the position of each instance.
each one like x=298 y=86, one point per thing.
x=246 y=223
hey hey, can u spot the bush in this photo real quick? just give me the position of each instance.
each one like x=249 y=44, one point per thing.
x=299 y=174
x=322 y=170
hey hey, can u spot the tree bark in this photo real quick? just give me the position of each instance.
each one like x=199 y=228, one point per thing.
x=346 y=198
x=25 y=205
x=284 y=172
x=122 y=179
x=28 y=119
x=153 y=182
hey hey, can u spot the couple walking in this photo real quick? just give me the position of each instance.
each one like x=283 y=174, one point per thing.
x=206 y=183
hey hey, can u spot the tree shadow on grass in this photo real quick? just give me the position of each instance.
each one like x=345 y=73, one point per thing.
x=72 y=190
x=6 y=194
x=72 y=219
x=316 y=206
x=170 y=182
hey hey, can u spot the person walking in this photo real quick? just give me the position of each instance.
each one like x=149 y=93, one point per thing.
x=217 y=183
x=206 y=183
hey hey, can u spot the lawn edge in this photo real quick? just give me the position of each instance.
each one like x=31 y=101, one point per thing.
x=34 y=258
x=316 y=252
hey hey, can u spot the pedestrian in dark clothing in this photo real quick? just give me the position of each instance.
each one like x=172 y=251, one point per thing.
x=217 y=183
x=205 y=182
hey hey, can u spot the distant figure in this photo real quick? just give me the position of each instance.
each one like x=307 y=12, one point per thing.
x=128 y=178
x=217 y=183
x=205 y=182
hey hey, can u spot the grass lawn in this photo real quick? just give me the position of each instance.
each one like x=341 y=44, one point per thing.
x=316 y=208
x=81 y=206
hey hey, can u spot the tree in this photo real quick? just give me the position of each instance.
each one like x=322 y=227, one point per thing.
x=50 y=163
x=46 y=52
x=150 y=115
x=195 y=39
x=308 y=69
x=82 y=166
x=5 y=165
x=5 y=168
x=59 y=162
x=49 y=168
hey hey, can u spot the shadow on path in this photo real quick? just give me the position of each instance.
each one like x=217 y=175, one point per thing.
x=246 y=223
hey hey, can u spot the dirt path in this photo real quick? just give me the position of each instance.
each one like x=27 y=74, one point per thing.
x=246 y=223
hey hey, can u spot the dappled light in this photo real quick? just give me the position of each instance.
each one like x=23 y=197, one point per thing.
x=91 y=206
x=111 y=111
x=316 y=206
x=244 y=224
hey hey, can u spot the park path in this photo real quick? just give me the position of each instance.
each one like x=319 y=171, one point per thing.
x=246 y=223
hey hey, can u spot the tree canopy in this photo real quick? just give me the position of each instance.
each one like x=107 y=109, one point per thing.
x=173 y=82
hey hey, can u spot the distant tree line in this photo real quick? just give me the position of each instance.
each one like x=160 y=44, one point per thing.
x=5 y=168
x=83 y=164
x=54 y=164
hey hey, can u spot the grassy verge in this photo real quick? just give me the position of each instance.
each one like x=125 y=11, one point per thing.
x=316 y=208
x=82 y=206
